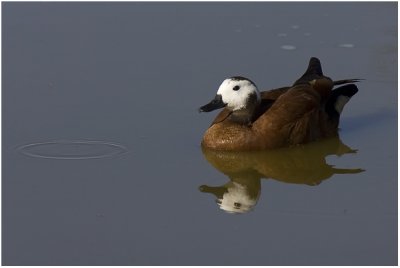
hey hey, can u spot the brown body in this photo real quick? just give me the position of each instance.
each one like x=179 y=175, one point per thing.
x=285 y=117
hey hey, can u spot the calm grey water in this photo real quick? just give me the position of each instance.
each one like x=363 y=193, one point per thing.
x=84 y=80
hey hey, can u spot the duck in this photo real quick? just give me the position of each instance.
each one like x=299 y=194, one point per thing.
x=307 y=111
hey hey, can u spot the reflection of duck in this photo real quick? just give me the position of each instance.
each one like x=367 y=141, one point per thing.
x=239 y=195
x=305 y=112
x=303 y=164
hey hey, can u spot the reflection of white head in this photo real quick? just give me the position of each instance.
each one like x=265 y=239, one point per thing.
x=236 y=199
x=237 y=92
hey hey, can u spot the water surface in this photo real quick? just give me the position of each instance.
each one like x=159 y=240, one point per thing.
x=134 y=74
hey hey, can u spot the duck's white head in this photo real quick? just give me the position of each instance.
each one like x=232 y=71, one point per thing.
x=236 y=93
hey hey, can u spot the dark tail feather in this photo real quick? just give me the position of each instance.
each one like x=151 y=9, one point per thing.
x=338 y=99
x=314 y=71
x=346 y=81
x=314 y=67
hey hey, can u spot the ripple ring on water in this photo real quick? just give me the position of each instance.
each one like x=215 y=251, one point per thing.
x=72 y=149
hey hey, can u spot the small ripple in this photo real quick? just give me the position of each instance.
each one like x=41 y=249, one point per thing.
x=72 y=149
x=348 y=45
x=288 y=47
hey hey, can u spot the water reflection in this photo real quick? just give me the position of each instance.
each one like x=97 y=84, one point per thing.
x=303 y=164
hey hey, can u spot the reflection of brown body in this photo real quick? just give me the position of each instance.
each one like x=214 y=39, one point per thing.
x=303 y=164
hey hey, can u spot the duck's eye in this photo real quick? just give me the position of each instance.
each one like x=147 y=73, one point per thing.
x=236 y=88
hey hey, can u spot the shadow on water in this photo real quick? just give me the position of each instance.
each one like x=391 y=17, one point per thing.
x=304 y=164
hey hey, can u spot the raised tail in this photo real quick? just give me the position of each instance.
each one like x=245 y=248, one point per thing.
x=314 y=67
x=314 y=71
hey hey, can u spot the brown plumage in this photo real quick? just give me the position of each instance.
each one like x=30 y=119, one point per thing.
x=309 y=110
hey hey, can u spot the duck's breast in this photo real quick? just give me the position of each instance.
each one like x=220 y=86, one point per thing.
x=230 y=136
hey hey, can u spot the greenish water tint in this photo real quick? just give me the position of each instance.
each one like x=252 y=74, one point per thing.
x=304 y=164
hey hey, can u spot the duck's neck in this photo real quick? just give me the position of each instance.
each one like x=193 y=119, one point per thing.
x=244 y=116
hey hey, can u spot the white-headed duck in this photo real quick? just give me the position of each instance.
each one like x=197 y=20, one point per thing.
x=309 y=110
